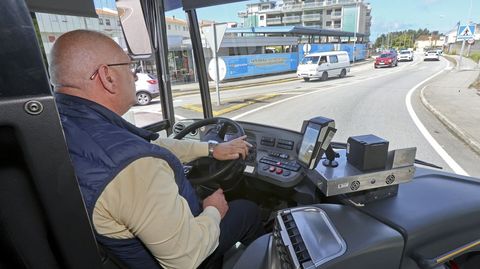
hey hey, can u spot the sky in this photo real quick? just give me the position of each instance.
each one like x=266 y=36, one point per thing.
x=387 y=15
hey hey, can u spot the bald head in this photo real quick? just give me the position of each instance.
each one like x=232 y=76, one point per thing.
x=77 y=54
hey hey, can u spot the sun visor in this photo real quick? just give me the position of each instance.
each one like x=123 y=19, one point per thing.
x=134 y=28
x=83 y=8
x=193 y=4
x=172 y=4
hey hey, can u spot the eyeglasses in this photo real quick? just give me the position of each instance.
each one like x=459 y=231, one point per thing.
x=131 y=66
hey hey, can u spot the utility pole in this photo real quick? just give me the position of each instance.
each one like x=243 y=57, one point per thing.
x=357 y=22
x=217 y=69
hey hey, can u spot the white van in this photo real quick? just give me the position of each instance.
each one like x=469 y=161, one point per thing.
x=323 y=65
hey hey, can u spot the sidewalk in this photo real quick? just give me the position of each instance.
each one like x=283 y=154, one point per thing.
x=454 y=104
x=182 y=89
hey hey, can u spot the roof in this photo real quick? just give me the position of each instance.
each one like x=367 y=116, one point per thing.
x=175 y=20
x=300 y=30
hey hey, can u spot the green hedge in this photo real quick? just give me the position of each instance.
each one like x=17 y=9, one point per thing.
x=475 y=56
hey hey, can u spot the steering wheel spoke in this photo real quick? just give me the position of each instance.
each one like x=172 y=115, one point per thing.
x=208 y=170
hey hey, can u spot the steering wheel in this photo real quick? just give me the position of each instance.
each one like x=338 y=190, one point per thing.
x=209 y=170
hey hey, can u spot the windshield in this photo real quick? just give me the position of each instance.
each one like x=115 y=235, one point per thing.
x=258 y=46
x=310 y=60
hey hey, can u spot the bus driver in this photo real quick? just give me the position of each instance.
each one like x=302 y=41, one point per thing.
x=142 y=207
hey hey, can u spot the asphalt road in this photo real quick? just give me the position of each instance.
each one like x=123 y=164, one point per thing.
x=367 y=101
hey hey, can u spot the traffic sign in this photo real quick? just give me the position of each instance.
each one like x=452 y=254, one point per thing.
x=465 y=32
x=471 y=41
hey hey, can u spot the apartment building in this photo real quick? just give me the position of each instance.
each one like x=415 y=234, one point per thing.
x=341 y=15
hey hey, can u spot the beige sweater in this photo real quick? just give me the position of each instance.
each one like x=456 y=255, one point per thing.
x=143 y=201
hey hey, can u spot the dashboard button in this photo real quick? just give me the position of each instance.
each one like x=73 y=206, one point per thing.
x=265 y=167
x=286 y=173
x=272 y=169
x=279 y=171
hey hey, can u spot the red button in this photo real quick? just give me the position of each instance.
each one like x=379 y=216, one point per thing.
x=272 y=169
x=279 y=171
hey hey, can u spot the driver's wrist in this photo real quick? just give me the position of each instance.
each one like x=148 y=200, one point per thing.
x=212 y=144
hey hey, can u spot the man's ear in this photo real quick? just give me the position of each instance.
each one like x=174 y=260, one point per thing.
x=107 y=79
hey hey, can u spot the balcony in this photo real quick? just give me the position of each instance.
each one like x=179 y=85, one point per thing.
x=292 y=7
x=291 y=19
x=312 y=17
x=271 y=21
x=313 y=5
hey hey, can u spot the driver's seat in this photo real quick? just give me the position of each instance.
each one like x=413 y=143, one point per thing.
x=43 y=221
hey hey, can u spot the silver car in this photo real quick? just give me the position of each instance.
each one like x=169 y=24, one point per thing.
x=147 y=88
x=405 y=55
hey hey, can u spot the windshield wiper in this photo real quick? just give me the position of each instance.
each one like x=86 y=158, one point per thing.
x=427 y=164
x=341 y=145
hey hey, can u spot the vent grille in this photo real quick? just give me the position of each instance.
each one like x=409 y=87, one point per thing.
x=178 y=127
x=300 y=250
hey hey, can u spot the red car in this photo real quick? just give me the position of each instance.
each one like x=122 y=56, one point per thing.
x=386 y=59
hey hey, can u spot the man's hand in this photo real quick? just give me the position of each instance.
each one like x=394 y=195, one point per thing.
x=232 y=149
x=217 y=200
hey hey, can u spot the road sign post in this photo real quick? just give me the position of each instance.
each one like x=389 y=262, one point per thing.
x=214 y=36
x=461 y=55
x=465 y=32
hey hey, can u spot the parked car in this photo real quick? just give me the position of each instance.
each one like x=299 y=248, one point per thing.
x=323 y=65
x=386 y=59
x=405 y=55
x=147 y=88
x=431 y=55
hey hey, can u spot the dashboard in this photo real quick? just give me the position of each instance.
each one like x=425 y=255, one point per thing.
x=273 y=157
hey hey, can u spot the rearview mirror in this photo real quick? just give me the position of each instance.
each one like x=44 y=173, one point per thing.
x=134 y=27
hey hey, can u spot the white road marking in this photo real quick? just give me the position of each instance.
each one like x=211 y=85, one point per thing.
x=308 y=93
x=440 y=151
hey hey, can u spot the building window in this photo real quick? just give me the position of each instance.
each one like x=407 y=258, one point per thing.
x=169 y=27
x=107 y=22
x=329 y=23
x=329 y=12
x=118 y=23
x=100 y=21
x=262 y=17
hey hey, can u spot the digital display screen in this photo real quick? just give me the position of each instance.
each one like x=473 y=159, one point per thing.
x=308 y=144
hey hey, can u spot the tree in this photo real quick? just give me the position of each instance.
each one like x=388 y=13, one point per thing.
x=401 y=39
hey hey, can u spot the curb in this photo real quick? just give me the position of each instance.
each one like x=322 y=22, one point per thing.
x=226 y=88
x=470 y=141
x=246 y=85
x=220 y=112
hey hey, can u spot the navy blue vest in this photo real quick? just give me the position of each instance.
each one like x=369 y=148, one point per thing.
x=101 y=144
